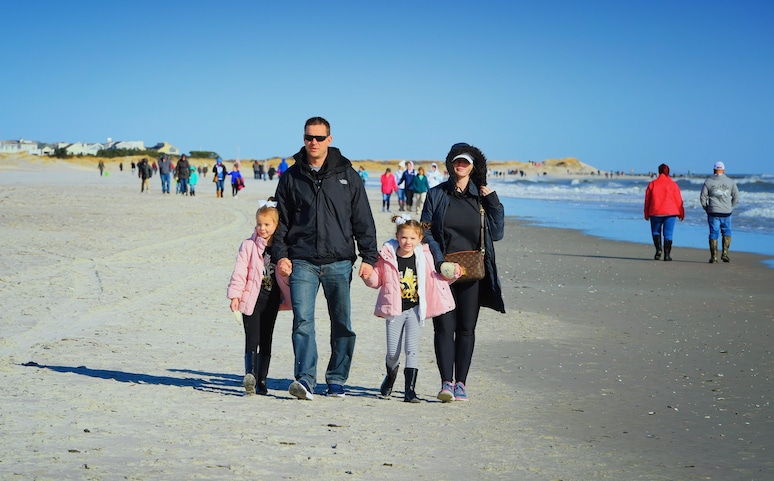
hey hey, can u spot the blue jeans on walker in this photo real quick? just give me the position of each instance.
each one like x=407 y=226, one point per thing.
x=165 y=183
x=305 y=281
x=183 y=185
x=719 y=225
x=668 y=224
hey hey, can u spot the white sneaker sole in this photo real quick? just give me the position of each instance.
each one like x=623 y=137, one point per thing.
x=298 y=390
x=446 y=396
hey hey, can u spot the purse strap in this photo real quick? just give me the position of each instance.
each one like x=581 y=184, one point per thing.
x=481 y=210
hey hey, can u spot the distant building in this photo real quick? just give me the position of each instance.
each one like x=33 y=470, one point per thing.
x=19 y=146
x=127 y=144
x=165 y=148
x=46 y=149
x=80 y=148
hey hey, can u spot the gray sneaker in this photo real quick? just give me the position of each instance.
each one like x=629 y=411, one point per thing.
x=249 y=383
x=459 y=392
x=447 y=392
x=300 y=389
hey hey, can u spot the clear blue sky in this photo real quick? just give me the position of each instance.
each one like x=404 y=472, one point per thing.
x=620 y=85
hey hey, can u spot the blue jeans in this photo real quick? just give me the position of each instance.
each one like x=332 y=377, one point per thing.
x=718 y=225
x=165 y=183
x=305 y=281
x=219 y=185
x=386 y=201
x=183 y=183
x=665 y=222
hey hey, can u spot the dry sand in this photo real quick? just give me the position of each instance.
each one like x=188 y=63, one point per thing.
x=119 y=358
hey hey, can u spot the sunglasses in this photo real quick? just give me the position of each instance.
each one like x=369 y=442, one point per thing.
x=319 y=138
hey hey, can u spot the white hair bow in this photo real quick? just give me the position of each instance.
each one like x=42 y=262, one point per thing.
x=402 y=219
x=267 y=203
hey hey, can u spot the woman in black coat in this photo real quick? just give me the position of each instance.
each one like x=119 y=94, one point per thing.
x=452 y=210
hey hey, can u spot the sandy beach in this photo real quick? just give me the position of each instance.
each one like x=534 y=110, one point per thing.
x=120 y=359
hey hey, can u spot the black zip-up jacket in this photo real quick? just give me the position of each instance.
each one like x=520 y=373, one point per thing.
x=434 y=212
x=322 y=215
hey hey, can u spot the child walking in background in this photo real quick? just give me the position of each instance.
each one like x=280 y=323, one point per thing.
x=388 y=187
x=192 y=181
x=237 y=182
x=258 y=294
x=411 y=291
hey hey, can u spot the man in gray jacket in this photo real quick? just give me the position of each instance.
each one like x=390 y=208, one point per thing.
x=719 y=197
x=165 y=172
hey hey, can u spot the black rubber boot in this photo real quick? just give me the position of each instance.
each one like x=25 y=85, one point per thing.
x=249 y=380
x=411 y=382
x=667 y=250
x=657 y=243
x=261 y=372
x=389 y=381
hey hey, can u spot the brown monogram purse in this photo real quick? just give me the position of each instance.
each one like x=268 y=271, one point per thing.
x=472 y=262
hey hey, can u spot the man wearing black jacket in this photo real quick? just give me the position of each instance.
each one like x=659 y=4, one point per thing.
x=324 y=212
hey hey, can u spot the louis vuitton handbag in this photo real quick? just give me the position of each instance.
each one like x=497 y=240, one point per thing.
x=472 y=262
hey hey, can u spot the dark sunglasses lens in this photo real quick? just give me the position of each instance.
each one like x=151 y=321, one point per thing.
x=319 y=138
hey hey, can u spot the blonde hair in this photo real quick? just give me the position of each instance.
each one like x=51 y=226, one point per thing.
x=403 y=223
x=268 y=209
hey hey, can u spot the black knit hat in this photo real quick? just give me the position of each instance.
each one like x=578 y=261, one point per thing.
x=478 y=175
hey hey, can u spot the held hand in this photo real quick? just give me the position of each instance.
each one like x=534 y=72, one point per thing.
x=457 y=270
x=485 y=190
x=234 y=304
x=365 y=270
x=284 y=267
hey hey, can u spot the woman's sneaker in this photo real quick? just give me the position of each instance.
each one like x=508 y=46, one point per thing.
x=459 y=392
x=447 y=392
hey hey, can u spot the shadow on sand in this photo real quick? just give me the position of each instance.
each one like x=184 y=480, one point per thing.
x=225 y=384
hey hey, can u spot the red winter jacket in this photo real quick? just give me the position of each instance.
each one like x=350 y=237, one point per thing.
x=388 y=183
x=663 y=198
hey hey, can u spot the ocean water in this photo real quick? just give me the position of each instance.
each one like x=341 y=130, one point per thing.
x=612 y=208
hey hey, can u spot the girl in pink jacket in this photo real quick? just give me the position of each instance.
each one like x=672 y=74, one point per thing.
x=411 y=291
x=258 y=294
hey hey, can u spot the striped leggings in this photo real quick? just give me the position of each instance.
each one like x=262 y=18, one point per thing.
x=410 y=323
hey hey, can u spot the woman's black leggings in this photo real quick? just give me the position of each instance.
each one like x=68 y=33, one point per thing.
x=455 y=333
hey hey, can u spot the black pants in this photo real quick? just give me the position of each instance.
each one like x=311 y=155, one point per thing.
x=455 y=333
x=409 y=198
x=259 y=326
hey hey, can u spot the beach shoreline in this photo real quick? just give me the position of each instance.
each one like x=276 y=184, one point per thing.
x=120 y=358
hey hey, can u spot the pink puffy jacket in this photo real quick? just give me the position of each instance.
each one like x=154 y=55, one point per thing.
x=435 y=297
x=245 y=283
